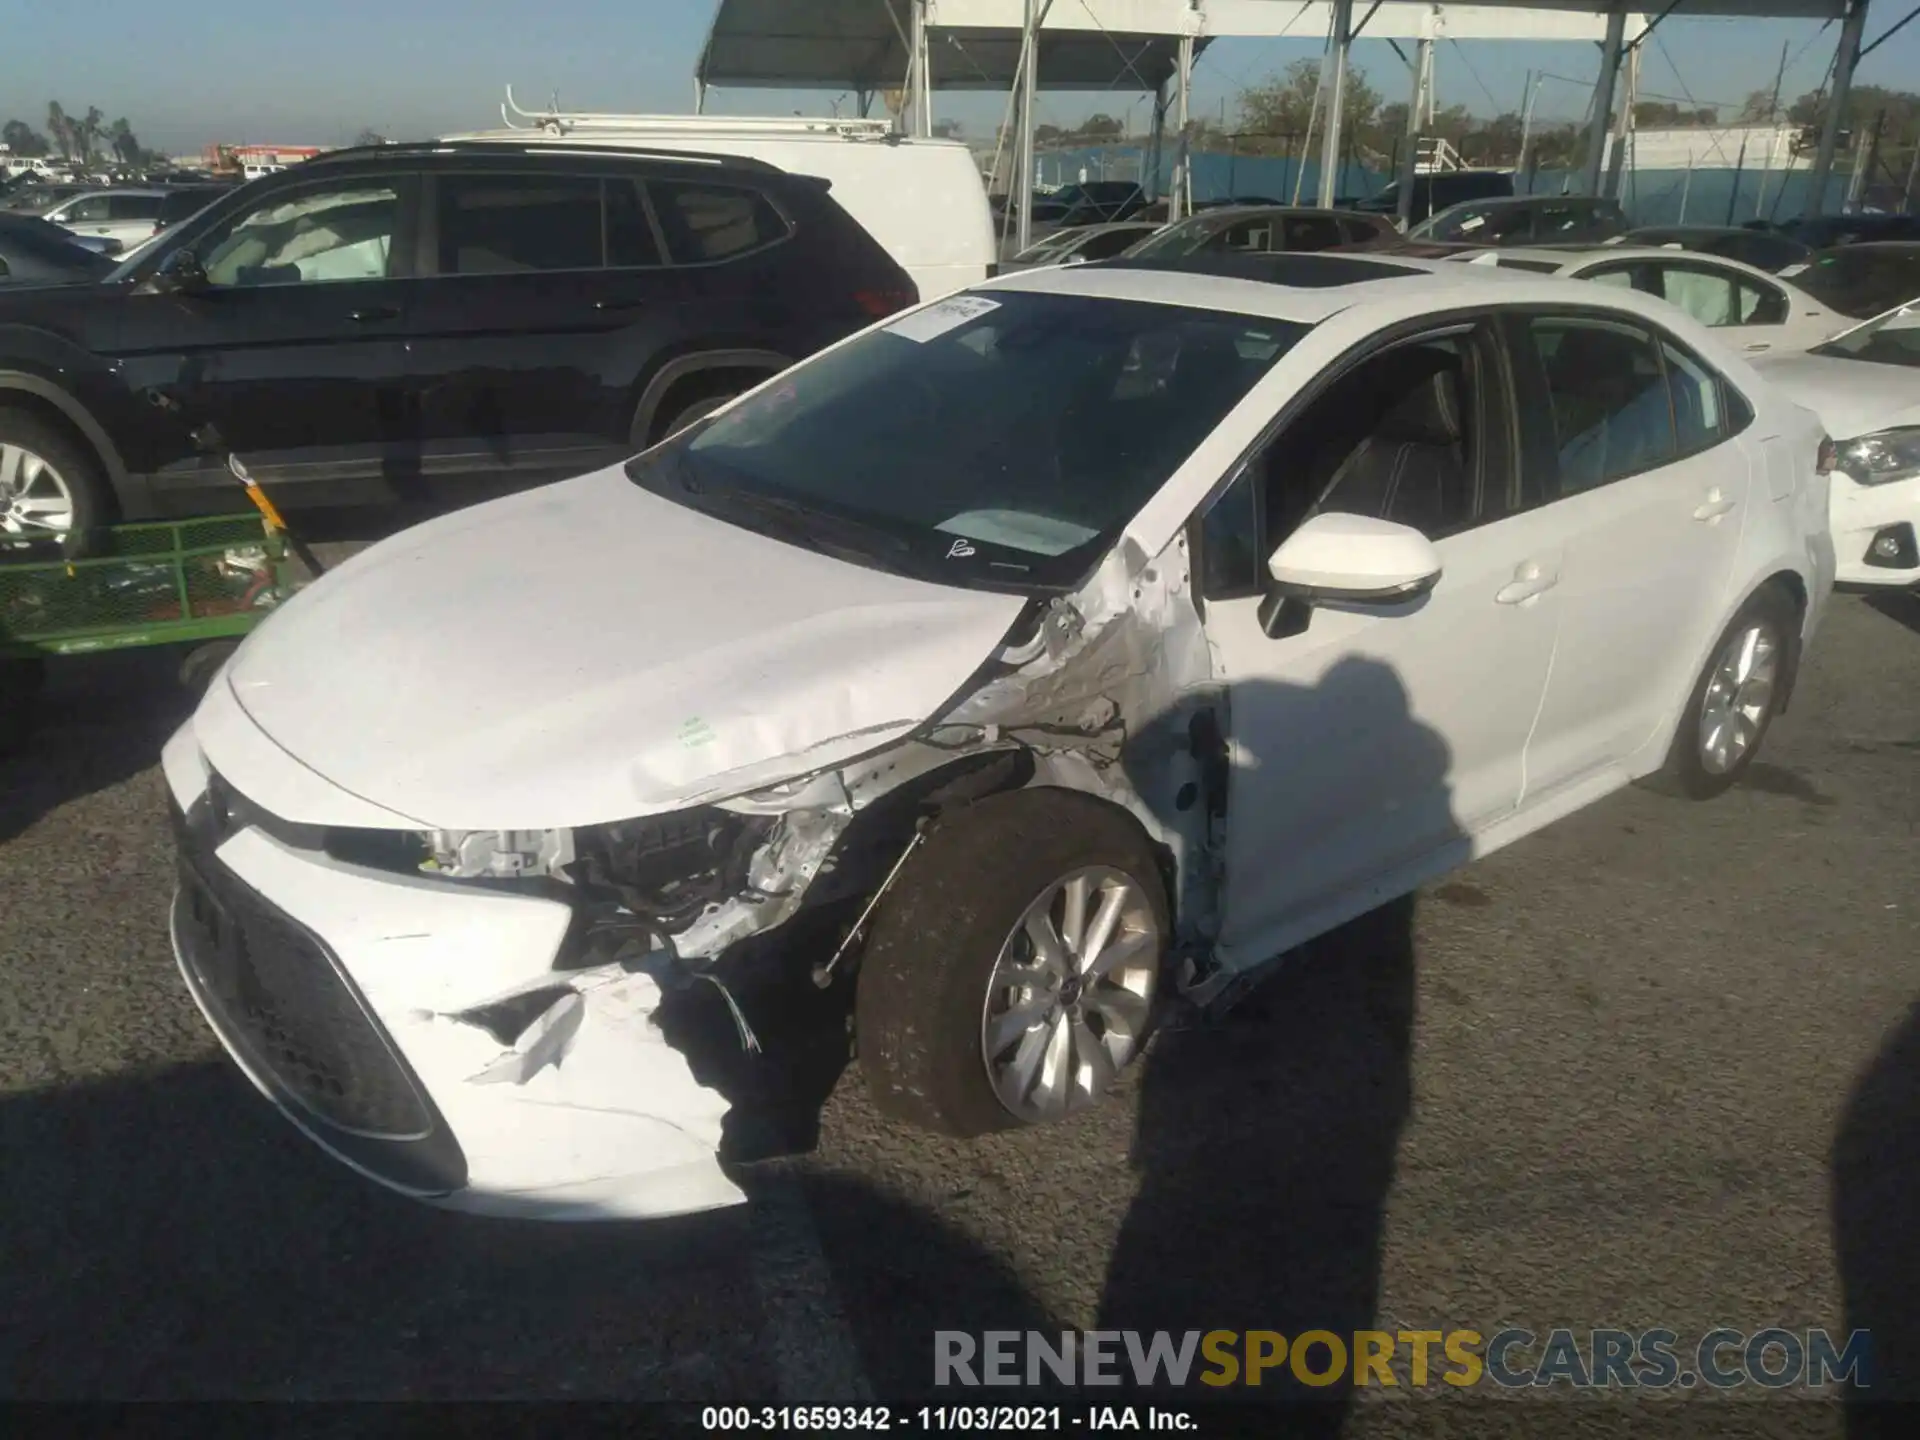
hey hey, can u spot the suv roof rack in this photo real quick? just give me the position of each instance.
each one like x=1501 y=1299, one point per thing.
x=560 y=122
x=508 y=144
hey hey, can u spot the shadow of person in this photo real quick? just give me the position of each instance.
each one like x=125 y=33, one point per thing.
x=1266 y=1135
x=1875 y=1191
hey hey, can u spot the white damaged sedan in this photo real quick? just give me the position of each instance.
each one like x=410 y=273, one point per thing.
x=1089 y=636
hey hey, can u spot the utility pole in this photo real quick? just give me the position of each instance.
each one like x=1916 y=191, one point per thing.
x=1336 y=102
x=1416 y=117
x=1526 y=124
x=1603 y=94
x=1866 y=158
x=1773 y=131
x=1844 y=59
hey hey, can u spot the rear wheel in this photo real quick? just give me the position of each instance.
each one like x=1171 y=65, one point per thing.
x=50 y=487
x=1013 y=971
x=1735 y=699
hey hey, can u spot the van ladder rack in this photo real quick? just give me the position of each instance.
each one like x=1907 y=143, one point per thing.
x=559 y=122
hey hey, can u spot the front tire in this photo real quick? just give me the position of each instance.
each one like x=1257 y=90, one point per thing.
x=51 y=488
x=1735 y=699
x=1012 y=972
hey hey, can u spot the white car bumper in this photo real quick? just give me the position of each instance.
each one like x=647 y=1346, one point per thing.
x=1860 y=515
x=355 y=999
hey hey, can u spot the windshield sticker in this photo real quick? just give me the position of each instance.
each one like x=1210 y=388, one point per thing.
x=959 y=550
x=941 y=316
x=696 y=732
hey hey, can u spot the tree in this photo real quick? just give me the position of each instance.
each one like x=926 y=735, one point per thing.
x=61 y=129
x=1281 y=107
x=22 y=139
x=92 y=130
x=369 y=137
x=1663 y=113
x=126 y=146
x=1100 y=126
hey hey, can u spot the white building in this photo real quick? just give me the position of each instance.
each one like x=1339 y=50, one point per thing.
x=1710 y=147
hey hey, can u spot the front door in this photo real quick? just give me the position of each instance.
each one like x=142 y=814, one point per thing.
x=1637 y=443
x=1381 y=736
x=292 y=353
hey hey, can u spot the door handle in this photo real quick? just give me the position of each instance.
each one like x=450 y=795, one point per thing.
x=1759 y=345
x=374 y=312
x=1528 y=581
x=1714 y=506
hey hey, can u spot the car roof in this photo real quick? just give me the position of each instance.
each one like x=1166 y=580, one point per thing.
x=1568 y=257
x=1306 y=288
x=550 y=149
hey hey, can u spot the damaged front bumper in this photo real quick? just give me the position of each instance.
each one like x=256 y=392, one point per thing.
x=418 y=1030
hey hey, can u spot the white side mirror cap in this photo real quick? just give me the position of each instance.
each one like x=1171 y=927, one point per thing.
x=1355 y=558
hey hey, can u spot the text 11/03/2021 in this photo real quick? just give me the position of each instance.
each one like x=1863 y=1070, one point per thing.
x=936 y=1419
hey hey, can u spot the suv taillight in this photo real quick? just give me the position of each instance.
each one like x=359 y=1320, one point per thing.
x=882 y=303
x=1828 y=456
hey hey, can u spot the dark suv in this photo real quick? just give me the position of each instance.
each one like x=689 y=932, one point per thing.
x=431 y=323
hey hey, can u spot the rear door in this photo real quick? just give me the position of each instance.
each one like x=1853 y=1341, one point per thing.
x=541 y=283
x=1753 y=314
x=1637 y=446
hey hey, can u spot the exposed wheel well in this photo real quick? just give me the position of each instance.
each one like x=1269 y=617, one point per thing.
x=51 y=415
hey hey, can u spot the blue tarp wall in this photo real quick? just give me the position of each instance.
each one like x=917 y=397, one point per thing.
x=1651 y=197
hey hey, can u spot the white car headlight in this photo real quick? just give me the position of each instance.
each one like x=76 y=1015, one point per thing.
x=1883 y=457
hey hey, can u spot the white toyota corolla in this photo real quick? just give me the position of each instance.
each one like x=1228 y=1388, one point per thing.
x=1095 y=632
x=1865 y=386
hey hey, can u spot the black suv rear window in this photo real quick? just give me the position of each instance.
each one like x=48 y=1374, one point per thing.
x=705 y=223
x=491 y=224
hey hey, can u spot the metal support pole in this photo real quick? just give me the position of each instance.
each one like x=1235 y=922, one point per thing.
x=1913 y=170
x=1686 y=186
x=1845 y=58
x=1623 y=124
x=1417 y=112
x=1603 y=94
x=1180 y=200
x=699 y=96
x=1029 y=83
x=1336 y=102
x=1526 y=126
x=915 y=107
x=1866 y=158
x=1156 y=141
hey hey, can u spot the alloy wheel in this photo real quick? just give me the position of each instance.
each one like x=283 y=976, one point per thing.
x=1071 y=994
x=1739 y=697
x=35 y=499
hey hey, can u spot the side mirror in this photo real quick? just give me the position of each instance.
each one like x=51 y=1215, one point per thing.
x=1338 y=559
x=181 y=273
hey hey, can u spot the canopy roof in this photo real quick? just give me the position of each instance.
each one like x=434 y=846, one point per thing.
x=1109 y=44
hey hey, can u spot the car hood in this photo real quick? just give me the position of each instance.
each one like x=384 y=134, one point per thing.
x=1851 y=397
x=589 y=652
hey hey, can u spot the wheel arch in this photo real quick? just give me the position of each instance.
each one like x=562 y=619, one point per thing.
x=20 y=389
x=659 y=386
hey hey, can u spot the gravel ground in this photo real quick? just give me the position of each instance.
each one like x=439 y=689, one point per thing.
x=1658 y=1065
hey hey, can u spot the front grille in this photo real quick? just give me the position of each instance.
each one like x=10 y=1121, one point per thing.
x=283 y=1004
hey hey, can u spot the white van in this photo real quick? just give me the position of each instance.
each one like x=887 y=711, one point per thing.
x=923 y=200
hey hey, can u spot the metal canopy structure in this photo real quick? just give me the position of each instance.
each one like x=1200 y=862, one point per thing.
x=921 y=47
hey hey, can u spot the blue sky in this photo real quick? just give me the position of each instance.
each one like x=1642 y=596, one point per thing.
x=274 y=71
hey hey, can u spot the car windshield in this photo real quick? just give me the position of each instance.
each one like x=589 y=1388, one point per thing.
x=1889 y=339
x=1861 y=282
x=995 y=440
x=1186 y=237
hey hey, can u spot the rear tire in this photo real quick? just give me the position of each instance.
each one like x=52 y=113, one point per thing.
x=1732 y=704
x=950 y=963
x=51 y=487
x=689 y=414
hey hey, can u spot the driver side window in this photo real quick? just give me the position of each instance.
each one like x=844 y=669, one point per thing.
x=343 y=231
x=1399 y=437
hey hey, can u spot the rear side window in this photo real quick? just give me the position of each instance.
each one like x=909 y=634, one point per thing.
x=1611 y=409
x=1312 y=232
x=631 y=239
x=498 y=224
x=705 y=223
x=1359 y=232
x=1109 y=244
x=133 y=207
